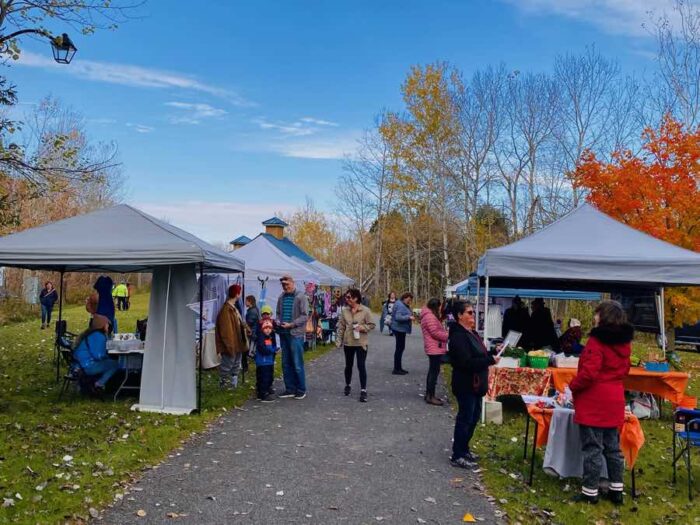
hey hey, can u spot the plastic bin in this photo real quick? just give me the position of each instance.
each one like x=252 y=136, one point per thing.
x=538 y=361
x=656 y=367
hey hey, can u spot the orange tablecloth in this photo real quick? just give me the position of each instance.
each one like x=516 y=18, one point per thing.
x=631 y=434
x=668 y=385
x=518 y=381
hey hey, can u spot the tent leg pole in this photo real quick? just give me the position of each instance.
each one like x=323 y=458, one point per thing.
x=663 y=322
x=60 y=318
x=201 y=321
x=486 y=311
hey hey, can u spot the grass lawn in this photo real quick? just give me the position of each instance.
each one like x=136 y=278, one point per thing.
x=659 y=502
x=109 y=444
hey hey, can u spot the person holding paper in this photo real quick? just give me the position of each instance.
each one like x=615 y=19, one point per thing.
x=470 y=375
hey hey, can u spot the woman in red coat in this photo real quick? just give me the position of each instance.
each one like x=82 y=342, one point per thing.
x=599 y=399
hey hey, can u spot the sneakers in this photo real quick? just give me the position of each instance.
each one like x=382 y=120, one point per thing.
x=268 y=398
x=462 y=463
x=287 y=394
x=401 y=372
x=300 y=395
x=583 y=498
x=363 y=396
x=472 y=457
x=347 y=390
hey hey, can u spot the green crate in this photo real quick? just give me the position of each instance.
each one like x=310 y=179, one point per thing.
x=538 y=362
x=523 y=361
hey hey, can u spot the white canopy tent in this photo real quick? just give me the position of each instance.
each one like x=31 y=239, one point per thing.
x=588 y=250
x=123 y=239
x=267 y=259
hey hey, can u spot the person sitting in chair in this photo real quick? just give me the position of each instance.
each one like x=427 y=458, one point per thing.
x=91 y=352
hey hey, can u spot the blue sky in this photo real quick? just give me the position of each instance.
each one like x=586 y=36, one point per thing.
x=226 y=115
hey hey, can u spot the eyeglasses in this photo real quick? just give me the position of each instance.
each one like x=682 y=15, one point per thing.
x=469 y=312
x=348 y=297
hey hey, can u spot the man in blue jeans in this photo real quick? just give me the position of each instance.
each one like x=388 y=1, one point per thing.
x=292 y=312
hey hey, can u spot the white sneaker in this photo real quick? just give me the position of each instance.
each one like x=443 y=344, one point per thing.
x=234 y=382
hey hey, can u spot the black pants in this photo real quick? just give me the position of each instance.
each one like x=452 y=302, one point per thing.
x=400 y=347
x=467 y=418
x=121 y=303
x=433 y=373
x=263 y=379
x=361 y=353
x=598 y=444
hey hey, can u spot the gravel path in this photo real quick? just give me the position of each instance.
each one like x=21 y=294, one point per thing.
x=325 y=459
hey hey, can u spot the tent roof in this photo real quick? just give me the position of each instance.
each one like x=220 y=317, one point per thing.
x=469 y=287
x=116 y=239
x=287 y=247
x=264 y=259
x=268 y=255
x=587 y=249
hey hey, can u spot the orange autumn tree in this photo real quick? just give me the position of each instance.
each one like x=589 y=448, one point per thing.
x=656 y=191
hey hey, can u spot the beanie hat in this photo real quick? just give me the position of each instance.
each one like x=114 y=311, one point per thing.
x=267 y=309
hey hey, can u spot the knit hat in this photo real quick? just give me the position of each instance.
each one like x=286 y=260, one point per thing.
x=267 y=323
x=267 y=309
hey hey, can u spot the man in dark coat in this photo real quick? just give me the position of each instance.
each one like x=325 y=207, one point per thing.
x=540 y=331
x=516 y=317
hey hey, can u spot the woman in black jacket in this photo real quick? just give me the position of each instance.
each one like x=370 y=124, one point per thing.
x=470 y=377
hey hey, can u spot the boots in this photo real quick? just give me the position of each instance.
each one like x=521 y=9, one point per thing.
x=432 y=400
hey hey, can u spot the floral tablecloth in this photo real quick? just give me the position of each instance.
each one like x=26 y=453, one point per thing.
x=518 y=381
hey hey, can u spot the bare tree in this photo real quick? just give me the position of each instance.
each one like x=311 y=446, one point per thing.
x=585 y=111
x=678 y=77
x=370 y=171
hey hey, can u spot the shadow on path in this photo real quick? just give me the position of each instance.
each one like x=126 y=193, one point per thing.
x=325 y=459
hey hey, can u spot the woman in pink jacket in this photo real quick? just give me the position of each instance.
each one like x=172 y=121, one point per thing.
x=435 y=344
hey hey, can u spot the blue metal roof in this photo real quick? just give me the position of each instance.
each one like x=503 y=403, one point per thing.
x=288 y=248
x=275 y=221
x=241 y=240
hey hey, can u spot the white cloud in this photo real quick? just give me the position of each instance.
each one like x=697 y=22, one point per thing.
x=319 y=122
x=626 y=17
x=331 y=147
x=218 y=222
x=129 y=75
x=140 y=128
x=194 y=113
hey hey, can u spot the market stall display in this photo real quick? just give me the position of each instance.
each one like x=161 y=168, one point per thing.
x=668 y=385
x=517 y=381
x=554 y=427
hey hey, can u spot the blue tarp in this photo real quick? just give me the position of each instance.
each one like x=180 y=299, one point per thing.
x=469 y=289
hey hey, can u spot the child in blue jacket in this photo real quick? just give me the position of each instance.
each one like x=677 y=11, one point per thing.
x=266 y=348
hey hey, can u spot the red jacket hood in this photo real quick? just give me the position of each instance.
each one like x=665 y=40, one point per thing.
x=616 y=337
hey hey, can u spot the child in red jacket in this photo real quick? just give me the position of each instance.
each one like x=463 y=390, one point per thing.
x=599 y=399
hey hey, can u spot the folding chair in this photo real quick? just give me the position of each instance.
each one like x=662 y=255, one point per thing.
x=686 y=434
x=64 y=343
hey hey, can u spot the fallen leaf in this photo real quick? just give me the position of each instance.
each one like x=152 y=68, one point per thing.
x=430 y=500
x=280 y=493
x=8 y=502
x=93 y=512
x=468 y=518
x=141 y=513
x=172 y=515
